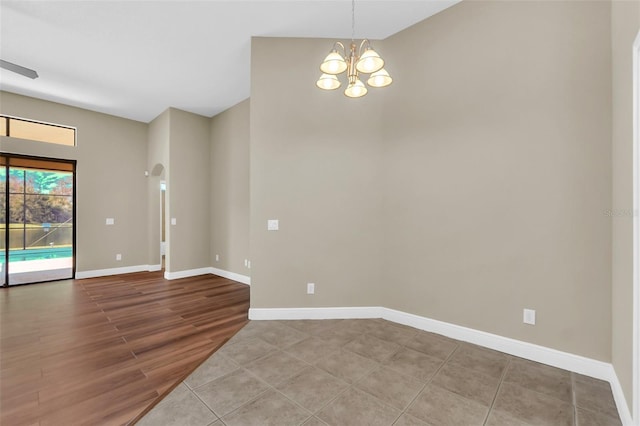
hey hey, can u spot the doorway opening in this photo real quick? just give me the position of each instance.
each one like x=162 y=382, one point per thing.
x=163 y=233
x=37 y=219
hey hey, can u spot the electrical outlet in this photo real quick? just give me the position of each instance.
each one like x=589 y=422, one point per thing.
x=174 y=221
x=273 y=225
x=249 y=264
x=529 y=316
x=311 y=288
x=110 y=221
x=245 y=263
x=118 y=256
x=217 y=258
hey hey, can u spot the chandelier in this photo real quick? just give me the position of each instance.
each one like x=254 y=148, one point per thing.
x=355 y=61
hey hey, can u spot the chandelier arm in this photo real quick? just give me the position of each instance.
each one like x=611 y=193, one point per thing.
x=364 y=41
x=337 y=43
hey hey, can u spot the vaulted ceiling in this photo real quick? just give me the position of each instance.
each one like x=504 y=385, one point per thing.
x=134 y=59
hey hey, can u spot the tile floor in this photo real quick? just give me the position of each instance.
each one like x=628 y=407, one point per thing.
x=375 y=372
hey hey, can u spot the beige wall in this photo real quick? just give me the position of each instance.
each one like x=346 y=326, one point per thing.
x=315 y=166
x=188 y=192
x=625 y=23
x=229 y=189
x=498 y=171
x=485 y=195
x=111 y=154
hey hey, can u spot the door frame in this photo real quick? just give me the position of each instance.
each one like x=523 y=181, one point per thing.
x=635 y=397
x=74 y=163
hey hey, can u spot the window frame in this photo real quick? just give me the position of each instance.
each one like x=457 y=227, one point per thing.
x=7 y=130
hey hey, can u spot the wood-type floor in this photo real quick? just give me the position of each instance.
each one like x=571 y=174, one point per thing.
x=103 y=351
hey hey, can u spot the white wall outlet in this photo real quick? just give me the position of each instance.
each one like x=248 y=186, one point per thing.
x=249 y=264
x=311 y=288
x=217 y=258
x=173 y=221
x=118 y=256
x=529 y=316
x=273 y=225
x=246 y=263
x=110 y=221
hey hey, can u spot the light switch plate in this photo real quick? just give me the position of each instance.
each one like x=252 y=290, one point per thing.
x=110 y=221
x=529 y=316
x=273 y=225
x=311 y=288
x=173 y=221
x=118 y=256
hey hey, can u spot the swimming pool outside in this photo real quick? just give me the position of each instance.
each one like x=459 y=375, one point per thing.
x=39 y=254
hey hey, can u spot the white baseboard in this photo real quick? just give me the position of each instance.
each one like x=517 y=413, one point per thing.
x=186 y=273
x=155 y=268
x=565 y=360
x=314 y=313
x=167 y=275
x=113 y=271
x=542 y=354
x=209 y=270
x=618 y=395
x=231 y=275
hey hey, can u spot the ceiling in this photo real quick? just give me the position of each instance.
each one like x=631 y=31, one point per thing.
x=134 y=59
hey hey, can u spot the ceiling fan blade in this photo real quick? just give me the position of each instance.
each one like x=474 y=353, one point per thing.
x=18 y=69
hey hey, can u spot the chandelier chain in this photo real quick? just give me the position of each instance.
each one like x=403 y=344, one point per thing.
x=353 y=20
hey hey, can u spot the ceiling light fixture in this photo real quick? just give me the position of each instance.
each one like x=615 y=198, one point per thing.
x=363 y=60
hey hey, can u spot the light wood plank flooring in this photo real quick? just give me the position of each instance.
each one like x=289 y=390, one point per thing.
x=105 y=350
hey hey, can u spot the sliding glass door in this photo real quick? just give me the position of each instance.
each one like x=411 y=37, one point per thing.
x=38 y=212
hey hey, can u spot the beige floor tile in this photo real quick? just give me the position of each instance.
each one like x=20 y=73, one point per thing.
x=216 y=366
x=314 y=421
x=533 y=407
x=313 y=326
x=415 y=364
x=392 y=333
x=312 y=388
x=540 y=378
x=312 y=349
x=439 y=407
x=594 y=395
x=483 y=360
x=282 y=372
x=357 y=408
x=269 y=409
x=346 y=365
x=468 y=383
x=250 y=330
x=359 y=325
x=409 y=420
x=591 y=418
x=281 y=335
x=431 y=344
x=246 y=350
x=180 y=408
x=498 y=418
x=339 y=336
x=227 y=393
x=276 y=367
x=373 y=348
x=391 y=387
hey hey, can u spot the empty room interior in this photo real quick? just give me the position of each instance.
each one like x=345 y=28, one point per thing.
x=194 y=232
